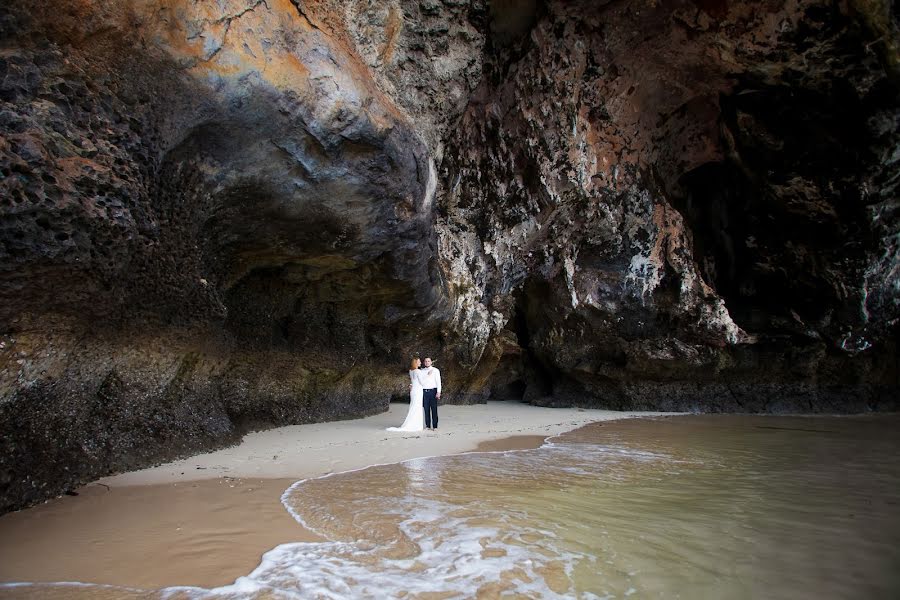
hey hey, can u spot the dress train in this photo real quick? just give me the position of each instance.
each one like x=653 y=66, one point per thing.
x=415 y=417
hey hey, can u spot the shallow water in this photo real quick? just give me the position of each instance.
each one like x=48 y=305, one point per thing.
x=682 y=507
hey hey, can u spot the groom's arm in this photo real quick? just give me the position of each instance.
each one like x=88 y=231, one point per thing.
x=438 y=371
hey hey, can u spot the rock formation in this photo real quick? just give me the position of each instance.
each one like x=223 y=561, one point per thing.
x=229 y=214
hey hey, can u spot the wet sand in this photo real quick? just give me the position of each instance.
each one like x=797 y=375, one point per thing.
x=206 y=520
x=203 y=533
x=516 y=442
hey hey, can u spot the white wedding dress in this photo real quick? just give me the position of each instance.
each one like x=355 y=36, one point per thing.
x=415 y=417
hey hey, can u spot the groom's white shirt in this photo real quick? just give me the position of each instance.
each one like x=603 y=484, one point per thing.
x=430 y=378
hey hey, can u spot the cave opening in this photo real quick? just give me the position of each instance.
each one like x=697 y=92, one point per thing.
x=513 y=390
x=536 y=379
x=780 y=220
x=750 y=251
x=519 y=375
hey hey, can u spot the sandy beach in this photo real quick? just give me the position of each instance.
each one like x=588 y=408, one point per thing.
x=206 y=520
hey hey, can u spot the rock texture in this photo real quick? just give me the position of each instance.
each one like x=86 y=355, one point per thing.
x=683 y=205
x=231 y=214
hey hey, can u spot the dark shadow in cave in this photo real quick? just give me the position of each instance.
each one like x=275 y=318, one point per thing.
x=781 y=221
x=536 y=379
x=514 y=390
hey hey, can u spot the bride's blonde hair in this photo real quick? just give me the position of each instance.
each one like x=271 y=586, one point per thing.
x=415 y=363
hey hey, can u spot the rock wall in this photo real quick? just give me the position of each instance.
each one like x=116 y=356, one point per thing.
x=689 y=206
x=223 y=215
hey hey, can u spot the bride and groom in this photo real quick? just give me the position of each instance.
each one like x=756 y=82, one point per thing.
x=424 y=392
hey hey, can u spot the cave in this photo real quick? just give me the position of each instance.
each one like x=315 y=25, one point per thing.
x=774 y=219
x=514 y=390
x=216 y=220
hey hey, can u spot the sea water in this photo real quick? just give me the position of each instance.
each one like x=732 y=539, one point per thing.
x=683 y=507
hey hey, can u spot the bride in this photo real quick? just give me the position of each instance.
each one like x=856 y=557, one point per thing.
x=415 y=418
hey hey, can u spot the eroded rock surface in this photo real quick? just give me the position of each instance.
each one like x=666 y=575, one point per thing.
x=224 y=215
x=673 y=208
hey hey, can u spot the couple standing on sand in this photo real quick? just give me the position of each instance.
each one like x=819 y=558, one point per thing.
x=424 y=392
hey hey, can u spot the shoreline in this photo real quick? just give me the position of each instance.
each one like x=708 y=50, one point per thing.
x=206 y=520
x=311 y=450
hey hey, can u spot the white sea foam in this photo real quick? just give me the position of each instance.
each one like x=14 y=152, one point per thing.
x=452 y=562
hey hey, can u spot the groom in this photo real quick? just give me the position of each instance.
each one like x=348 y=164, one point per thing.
x=431 y=382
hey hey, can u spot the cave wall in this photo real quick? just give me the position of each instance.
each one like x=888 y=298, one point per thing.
x=707 y=228
x=213 y=221
x=225 y=215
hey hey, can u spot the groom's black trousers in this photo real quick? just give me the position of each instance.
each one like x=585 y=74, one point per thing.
x=429 y=402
